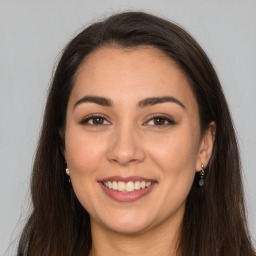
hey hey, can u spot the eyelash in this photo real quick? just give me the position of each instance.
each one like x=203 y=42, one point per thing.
x=158 y=118
x=92 y=118
x=167 y=121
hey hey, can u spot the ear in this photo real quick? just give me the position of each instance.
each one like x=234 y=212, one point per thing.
x=206 y=146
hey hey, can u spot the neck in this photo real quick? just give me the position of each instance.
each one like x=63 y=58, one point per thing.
x=161 y=240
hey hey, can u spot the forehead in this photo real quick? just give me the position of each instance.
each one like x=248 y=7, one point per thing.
x=122 y=73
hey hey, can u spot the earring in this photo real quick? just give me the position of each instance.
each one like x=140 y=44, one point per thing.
x=67 y=172
x=201 y=181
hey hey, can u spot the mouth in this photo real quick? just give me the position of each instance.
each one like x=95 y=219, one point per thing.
x=127 y=189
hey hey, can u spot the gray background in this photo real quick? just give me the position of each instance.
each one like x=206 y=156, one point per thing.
x=32 y=34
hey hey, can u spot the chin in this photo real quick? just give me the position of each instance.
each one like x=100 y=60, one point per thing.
x=126 y=225
x=128 y=229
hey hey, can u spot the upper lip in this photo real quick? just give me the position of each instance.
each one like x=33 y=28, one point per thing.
x=126 y=179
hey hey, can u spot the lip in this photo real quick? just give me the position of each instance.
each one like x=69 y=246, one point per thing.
x=126 y=196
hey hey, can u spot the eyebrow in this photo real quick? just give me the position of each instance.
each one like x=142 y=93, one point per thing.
x=106 y=102
x=157 y=100
x=95 y=99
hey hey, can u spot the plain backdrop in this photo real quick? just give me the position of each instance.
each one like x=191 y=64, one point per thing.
x=32 y=35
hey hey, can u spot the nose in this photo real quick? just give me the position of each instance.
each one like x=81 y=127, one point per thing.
x=126 y=147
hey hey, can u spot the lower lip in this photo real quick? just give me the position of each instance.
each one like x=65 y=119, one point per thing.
x=126 y=196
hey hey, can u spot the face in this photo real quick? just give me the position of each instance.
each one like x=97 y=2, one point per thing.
x=132 y=139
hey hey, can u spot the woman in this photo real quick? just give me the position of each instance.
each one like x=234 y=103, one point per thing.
x=137 y=154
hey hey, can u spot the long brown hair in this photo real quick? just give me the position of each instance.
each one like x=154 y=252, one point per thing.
x=214 y=221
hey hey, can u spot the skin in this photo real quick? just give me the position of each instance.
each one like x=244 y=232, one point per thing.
x=129 y=141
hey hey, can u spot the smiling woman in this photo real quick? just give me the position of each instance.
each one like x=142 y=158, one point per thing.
x=133 y=133
x=137 y=117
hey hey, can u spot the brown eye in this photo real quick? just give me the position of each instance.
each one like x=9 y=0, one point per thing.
x=95 y=121
x=159 y=121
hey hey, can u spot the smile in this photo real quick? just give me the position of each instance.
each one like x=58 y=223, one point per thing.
x=126 y=187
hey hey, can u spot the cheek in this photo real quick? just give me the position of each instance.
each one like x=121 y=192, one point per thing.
x=176 y=157
x=174 y=150
x=83 y=152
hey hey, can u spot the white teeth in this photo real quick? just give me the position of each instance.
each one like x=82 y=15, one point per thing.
x=137 y=185
x=114 y=185
x=109 y=184
x=127 y=187
x=148 y=184
x=121 y=186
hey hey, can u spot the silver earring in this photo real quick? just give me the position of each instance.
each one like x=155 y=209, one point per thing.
x=201 y=181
